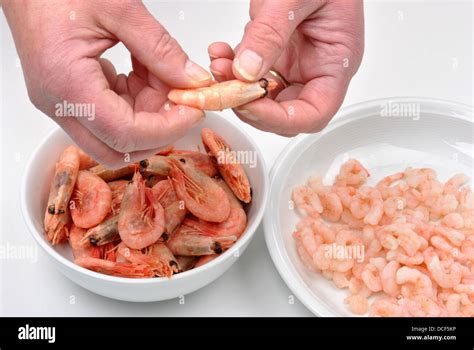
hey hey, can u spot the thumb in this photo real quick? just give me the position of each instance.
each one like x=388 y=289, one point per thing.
x=155 y=48
x=267 y=35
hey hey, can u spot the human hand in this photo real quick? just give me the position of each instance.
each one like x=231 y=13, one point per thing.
x=60 y=43
x=316 y=45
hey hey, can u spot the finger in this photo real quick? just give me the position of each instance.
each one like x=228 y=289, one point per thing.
x=267 y=35
x=220 y=49
x=115 y=122
x=151 y=44
x=317 y=103
x=126 y=130
x=150 y=100
x=109 y=71
x=98 y=150
x=221 y=69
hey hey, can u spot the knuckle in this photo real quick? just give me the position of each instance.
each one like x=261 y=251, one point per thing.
x=265 y=33
x=165 y=46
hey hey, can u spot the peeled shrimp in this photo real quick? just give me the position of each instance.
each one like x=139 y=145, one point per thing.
x=446 y=278
x=307 y=201
x=219 y=96
x=413 y=282
x=352 y=173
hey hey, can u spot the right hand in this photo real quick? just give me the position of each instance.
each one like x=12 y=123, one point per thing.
x=60 y=43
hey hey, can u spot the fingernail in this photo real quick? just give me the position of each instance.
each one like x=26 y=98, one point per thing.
x=248 y=64
x=247 y=114
x=196 y=72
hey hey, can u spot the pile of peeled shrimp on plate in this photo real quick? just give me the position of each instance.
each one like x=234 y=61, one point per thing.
x=167 y=214
x=404 y=247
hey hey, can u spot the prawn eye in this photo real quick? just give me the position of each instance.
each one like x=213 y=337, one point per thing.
x=182 y=160
x=61 y=211
x=93 y=241
x=51 y=209
x=165 y=236
x=144 y=163
x=217 y=248
x=173 y=263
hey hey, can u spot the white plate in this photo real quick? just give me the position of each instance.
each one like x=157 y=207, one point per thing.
x=386 y=136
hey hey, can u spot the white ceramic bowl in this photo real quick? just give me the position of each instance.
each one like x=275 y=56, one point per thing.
x=440 y=135
x=34 y=194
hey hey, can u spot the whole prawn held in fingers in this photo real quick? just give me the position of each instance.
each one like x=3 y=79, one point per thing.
x=219 y=96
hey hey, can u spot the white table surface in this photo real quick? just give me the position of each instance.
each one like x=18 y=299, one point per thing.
x=412 y=49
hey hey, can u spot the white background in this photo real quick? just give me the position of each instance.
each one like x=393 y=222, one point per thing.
x=412 y=49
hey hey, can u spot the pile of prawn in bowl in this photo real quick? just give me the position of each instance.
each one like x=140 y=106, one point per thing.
x=153 y=230
x=375 y=215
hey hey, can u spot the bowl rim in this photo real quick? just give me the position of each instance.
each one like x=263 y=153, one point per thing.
x=228 y=254
x=271 y=225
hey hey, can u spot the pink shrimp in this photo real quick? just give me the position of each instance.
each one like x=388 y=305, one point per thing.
x=453 y=185
x=186 y=241
x=198 y=160
x=358 y=304
x=453 y=220
x=413 y=282
x=113 y=174
x=57 y=216
x=202 y=196
x=345 y=193
x=388 y=278
x=387 y=307
x=117 y=188
x=233 y=226
x=203 y=260
x=371 y=275
x=141 y=218
x=446 y=278
x=352 y=173
x=92 y=200
x=136 y=256
x=229 y=166
x=85 y=161
x=82 y=248
x=174 y=209
x=186 y=263
x=332 y=206
x=424 y=306
x=307 y=201
x=119 y=269
x=219 y=96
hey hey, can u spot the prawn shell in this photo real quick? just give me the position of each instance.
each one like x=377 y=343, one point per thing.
x=219 y=96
